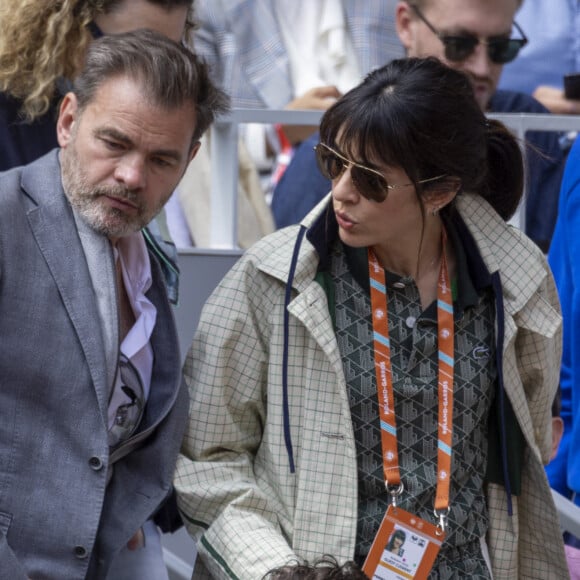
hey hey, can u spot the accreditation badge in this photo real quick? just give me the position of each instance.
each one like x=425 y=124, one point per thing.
x=404 y=548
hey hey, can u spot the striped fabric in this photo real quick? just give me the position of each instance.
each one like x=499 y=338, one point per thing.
x=242 y=42
x=240 y=501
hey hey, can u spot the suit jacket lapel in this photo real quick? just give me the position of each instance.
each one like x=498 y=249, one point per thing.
x=52 y=223
x=166 y=379
x=166 y=375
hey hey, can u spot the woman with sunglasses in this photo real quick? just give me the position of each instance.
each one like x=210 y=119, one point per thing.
x=396 y=353
x=476 y=37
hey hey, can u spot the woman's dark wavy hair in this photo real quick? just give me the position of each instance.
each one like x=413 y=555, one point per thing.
x=326 y=568
x=421 y=116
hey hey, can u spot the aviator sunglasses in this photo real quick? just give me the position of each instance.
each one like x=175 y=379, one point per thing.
x=458 y=47
x=369 y=182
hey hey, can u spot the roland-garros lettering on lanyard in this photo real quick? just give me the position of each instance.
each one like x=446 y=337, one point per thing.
x=384 y=375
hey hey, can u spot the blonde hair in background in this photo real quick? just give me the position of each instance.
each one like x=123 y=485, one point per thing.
x=44 y=40
x=41 y=41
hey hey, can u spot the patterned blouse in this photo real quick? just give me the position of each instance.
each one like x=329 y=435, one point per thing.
x=413 y=337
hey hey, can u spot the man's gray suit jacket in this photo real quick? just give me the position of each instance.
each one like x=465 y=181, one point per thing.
x=58 y=517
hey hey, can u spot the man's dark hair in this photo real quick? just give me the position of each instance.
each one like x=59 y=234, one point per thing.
x=170 y=75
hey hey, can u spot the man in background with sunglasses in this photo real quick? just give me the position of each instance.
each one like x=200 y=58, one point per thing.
x=477 y=37
x=474 y=36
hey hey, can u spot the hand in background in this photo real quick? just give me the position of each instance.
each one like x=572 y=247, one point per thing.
x=318 y=98
x=555 y=101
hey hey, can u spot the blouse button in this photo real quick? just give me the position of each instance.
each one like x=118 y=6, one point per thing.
x=410 y=321
x=398 y=285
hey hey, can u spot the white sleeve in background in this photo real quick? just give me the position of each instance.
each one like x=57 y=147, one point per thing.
x=256 y=136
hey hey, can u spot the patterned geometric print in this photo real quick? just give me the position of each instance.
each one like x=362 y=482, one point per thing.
x=413 y=338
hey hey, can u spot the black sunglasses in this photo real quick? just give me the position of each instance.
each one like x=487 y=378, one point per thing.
x=369 y=182
x=500 y=50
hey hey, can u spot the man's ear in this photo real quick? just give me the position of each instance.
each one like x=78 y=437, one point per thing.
x=403 y=21
x=194 y=150
x=67 y=118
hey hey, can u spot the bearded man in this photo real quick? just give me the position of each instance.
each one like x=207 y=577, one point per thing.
x=93 y=406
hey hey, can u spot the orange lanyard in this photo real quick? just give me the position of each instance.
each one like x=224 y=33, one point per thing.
x=384 y=375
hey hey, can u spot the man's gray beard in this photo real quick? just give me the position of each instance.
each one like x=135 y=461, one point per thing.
x=84 y=198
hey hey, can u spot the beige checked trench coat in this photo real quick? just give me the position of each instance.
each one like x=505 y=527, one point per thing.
x=238 y=497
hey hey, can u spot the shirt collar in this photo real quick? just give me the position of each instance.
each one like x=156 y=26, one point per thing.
x=132 y=252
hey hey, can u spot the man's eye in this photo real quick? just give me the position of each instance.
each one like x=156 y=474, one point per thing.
x=162 y=162
x=113 y=145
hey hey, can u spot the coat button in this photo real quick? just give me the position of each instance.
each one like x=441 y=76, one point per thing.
x=80 y=552
x=95 y=463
